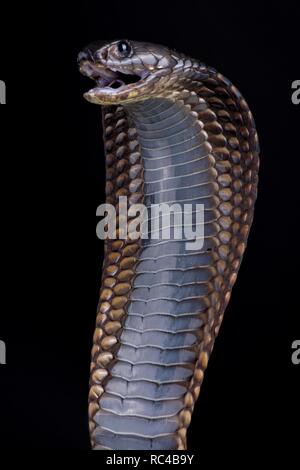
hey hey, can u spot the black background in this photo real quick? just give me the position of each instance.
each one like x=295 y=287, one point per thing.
x=53 y=179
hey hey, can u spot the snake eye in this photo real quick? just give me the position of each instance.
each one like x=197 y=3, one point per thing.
x=124 y=48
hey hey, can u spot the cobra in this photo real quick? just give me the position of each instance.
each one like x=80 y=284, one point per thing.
x=175 y=131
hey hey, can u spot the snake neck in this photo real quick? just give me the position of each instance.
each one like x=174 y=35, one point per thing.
x=150 y=380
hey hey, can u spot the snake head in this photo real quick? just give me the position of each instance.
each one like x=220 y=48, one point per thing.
x=127 y=71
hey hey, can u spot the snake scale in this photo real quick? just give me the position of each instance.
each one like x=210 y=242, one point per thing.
x=175 y=131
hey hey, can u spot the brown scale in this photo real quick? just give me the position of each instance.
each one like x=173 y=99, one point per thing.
x=124 y=173
x=231 y=132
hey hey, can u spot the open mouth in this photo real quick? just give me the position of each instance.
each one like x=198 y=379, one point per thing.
x=108 y=80
x=121 y=80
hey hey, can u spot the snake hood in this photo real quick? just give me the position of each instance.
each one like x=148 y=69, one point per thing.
x=127 y=71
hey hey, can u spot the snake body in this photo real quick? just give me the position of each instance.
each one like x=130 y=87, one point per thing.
x=178 y=132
